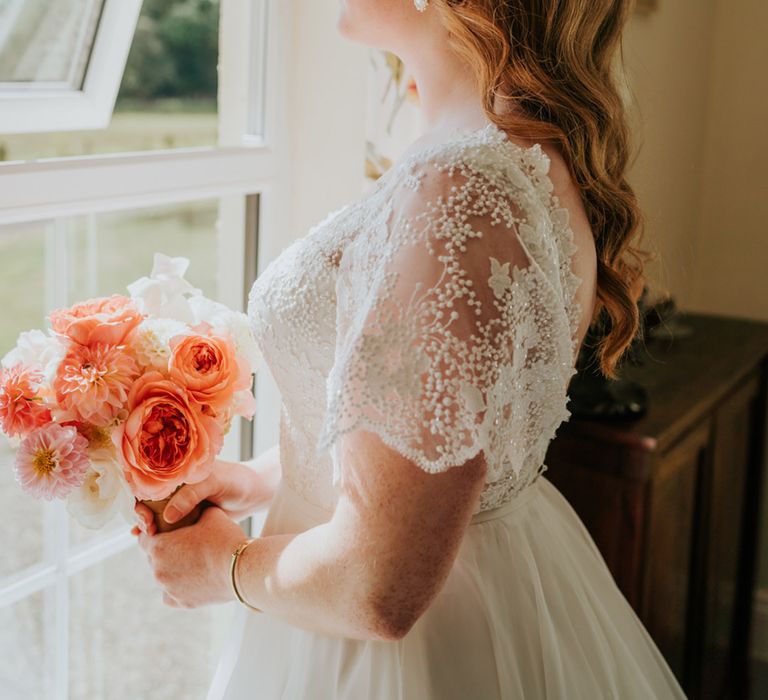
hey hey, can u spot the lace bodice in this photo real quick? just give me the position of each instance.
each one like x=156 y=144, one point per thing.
x=438 y=311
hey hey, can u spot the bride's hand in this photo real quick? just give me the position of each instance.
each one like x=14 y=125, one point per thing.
x=191 y=564
x=235 y=488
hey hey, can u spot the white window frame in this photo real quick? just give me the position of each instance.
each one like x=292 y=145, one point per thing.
x=37 y=107
x=243 y=166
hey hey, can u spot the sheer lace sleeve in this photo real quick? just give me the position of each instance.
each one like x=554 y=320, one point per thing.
x=452 y=335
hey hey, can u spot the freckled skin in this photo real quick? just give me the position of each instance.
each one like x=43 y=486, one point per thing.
x=405 y=524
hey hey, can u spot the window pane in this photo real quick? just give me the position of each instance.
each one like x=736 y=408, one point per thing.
x=109 y=251
x=47 y=42
x=125 y=643
x=22 y=296
x=25 y=655
x=167 y=97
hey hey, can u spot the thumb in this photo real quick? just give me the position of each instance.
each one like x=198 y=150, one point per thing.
x=185 y=499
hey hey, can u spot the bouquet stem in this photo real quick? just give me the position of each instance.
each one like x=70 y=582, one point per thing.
x=157 y=507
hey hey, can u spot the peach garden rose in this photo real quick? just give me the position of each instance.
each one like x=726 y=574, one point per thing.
x=209 y=368
x=106 y=320
x=166 y=440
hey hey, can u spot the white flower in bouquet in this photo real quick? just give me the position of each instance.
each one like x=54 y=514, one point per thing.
x=162 y=294
x=245 y=343
x=103 y=494
x=35 y=348
x=150 y=341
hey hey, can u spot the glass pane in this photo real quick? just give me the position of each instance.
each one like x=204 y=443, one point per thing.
x=48 y=42
x=26 y=657
x=125 y=643
x=108 y=251
x=167 y=97
x=22 y=298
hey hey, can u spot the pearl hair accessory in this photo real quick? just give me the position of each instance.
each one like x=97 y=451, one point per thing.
x=421 y=5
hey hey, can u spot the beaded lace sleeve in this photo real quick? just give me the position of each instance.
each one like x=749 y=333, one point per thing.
x=452 y=335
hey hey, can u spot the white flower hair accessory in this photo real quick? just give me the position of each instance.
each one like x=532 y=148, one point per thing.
x=421 y=5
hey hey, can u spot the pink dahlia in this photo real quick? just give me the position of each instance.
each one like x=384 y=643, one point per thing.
x=21 y=408
x=52 y=461
x=92 y=382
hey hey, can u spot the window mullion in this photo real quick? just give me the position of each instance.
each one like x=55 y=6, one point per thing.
x=57 y=266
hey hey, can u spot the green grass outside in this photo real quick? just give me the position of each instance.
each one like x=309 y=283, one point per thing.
x=146 y=127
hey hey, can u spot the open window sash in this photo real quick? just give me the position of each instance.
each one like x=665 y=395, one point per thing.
x=61 y=63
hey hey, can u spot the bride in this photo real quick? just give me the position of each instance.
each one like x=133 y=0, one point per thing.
x=423 y=338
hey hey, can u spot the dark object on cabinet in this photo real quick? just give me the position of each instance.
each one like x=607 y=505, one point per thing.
x=673 y=498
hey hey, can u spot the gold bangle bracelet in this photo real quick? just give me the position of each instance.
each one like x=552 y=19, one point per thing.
x=238 y=551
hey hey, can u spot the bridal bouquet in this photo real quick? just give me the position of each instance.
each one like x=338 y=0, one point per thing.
x=127 y=396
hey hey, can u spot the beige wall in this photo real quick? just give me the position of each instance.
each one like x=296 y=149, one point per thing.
x=698 y=69
x=667 y=59
x=328 y=116
x=732 y=245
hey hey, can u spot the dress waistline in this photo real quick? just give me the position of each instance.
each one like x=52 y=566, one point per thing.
x=321 y=514
x=517 y=501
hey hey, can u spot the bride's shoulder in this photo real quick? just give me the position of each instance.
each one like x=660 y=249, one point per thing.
x=476 y=155
x=478 y=164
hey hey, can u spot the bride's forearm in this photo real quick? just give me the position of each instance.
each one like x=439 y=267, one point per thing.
x=307 y=582
x=267 y=460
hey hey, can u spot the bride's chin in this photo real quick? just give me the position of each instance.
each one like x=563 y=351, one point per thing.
x=348 y=22
x=365 y=22
x=345 y=25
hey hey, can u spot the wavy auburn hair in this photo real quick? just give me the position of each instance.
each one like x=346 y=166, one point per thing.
x=553 y=60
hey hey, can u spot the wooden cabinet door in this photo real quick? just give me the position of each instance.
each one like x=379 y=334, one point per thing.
x=671 y=525
x=724 y=534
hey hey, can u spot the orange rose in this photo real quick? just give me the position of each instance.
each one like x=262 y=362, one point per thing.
x=166 y=440
x=104 y=320
x=209 y=368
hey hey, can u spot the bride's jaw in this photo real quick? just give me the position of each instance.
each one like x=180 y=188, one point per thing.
x=391 y=25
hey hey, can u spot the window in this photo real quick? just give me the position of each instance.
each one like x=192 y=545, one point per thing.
x=60 y=62
x=167 y=94
x=79 y=612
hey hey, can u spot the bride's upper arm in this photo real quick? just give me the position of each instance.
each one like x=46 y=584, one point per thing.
x=403 y=525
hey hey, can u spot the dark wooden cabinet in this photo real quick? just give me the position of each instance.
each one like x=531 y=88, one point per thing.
x=673 y=499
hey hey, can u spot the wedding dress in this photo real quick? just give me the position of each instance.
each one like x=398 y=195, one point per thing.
x=439 y=310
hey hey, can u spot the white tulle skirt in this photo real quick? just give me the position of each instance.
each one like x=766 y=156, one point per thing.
x=529 y=610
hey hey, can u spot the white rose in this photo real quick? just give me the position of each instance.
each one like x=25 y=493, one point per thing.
x=245 y=343
x=103 y=494
x=36 y=348
x=150 y=341
x=162 y=294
